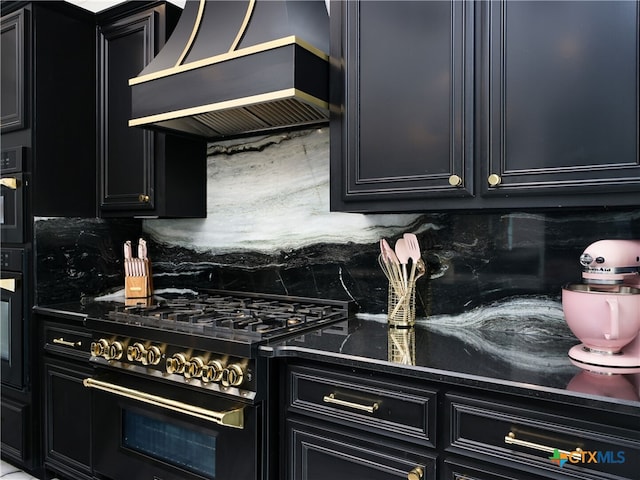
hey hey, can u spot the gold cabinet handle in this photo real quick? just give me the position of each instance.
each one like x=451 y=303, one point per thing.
x=494 y=180
x=367 y=408
x=8 y=284
x=415 y=474
x=455 y=181
x=231 y=418
x=9 y=182
x=144 y=198
x=510 y=439
x=66 y=343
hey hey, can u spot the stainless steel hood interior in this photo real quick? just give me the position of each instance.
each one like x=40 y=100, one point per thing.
x=238 y=67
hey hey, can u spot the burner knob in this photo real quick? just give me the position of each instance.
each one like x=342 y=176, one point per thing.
x=114 y=352
x=193 y=369
x=176 y=363
x=212 y=372
x=152 y=356
x=136 y=352
x=232 y=376
x=99 y=348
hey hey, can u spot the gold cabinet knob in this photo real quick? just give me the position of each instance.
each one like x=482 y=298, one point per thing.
x=455 y=180
x=494 y=180
x=144 y=198
x=416 y=474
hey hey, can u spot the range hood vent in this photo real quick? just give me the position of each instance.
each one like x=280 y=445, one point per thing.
x=233 y=68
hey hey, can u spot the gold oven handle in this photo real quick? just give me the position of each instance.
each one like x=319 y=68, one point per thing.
x=510 y=439
x=8 y=284
x=9 y=182
x=331 y=398
x=232 y=418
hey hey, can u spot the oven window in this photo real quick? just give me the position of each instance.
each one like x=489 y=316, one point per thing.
x=183 y=447
x=5 y=322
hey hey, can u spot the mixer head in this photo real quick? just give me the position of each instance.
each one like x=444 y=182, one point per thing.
x=611 y=262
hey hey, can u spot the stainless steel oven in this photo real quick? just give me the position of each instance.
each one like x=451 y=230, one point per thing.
x=149 y=429
x=13 y=321
x=14 y=219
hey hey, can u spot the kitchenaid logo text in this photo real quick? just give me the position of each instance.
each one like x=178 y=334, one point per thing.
x=586 y=456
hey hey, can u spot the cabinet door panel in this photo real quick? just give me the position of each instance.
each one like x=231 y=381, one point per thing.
x=67 y=419
x=403 y=129
x=563 y=96
x=12 y=85
x=126 y=153
x=318 y=454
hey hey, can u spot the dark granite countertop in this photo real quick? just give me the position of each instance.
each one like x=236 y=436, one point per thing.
x=519 y=364
x=530 y=364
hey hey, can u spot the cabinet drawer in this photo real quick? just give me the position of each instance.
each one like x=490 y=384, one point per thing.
x=317 y=453
x=388 y=407
x=67 y=341
x=563 y=443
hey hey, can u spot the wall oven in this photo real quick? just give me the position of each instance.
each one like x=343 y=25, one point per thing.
x=14 y=219
x=151 y=430
x=12 y=316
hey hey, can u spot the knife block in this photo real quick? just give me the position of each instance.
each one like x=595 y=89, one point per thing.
x=139 y=286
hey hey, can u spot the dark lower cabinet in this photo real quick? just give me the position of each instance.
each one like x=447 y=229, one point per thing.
x=342 y=422
x=320 y=453
x=463 y=469
x=67 y=423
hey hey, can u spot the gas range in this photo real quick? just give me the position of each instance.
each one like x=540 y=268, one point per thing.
x=209 y=340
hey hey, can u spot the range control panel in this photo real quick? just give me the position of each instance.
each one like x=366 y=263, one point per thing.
x=221 y=373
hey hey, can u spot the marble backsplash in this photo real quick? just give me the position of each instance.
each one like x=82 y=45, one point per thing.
x=269 y=229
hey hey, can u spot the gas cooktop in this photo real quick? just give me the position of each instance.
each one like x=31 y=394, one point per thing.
x=216 y=313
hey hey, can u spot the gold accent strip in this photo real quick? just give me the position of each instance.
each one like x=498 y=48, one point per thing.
x=261 y=47
x=231 y=418
x=9 y=182
x=332 y=399
x=194 y=33
x=235 y=103
x=243 y=27
x=8 y=284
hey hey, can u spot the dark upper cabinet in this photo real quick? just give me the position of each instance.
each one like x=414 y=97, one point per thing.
x=12 y=45
x=469 y=105
x=48 y=103
x=142 y=173
x=560 y=105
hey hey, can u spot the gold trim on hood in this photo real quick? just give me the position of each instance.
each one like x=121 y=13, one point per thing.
x=243 y=27
x=194 y=33
x=235 y=103
x=261 y=47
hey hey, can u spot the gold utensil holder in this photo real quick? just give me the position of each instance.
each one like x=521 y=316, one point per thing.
x=402 y=346
x=402 y=306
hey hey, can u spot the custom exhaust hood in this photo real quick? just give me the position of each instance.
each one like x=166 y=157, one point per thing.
x=238 y=67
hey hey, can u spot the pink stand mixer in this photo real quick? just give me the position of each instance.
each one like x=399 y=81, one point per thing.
x=604 y=311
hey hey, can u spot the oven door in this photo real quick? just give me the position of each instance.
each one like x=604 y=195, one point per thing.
x=11 y=328
x=13 y=203
x=148 y=429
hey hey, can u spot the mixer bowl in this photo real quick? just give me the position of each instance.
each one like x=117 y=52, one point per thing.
x=603 y=319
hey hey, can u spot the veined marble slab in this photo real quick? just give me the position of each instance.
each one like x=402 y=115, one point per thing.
x=270 y=194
